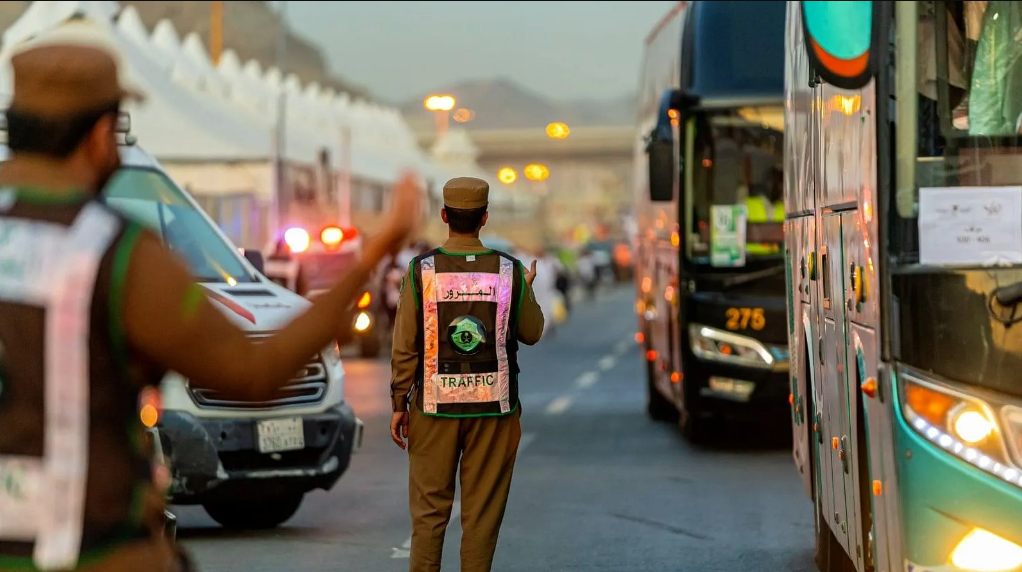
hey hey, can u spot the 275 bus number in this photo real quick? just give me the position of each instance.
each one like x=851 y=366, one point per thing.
x=745 y=318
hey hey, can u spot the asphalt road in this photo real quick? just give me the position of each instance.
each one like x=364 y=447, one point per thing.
x=597 y=485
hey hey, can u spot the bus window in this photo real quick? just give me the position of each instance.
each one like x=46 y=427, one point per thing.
x=737 y=157
x=967 y=127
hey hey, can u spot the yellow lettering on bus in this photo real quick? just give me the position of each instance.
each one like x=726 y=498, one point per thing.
x=744 y=318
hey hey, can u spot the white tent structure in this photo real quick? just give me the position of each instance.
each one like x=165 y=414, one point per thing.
x=214 y=127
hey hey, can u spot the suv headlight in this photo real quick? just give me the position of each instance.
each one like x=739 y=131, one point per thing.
x=717 y=345
x=974 y=425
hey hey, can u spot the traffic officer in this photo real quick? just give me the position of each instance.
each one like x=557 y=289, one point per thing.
x=462 y=312
x=93 y=309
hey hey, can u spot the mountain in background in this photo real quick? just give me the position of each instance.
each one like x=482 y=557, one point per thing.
x=250 y=29
x=501 y=103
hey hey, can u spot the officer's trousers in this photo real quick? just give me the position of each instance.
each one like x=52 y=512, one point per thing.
x=486 y=448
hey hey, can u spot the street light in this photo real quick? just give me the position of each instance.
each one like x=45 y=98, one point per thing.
x=536 y=172
x=507 y=175
x=463 y=115
x=439 y=102
x=440 y=105
x=558 y=131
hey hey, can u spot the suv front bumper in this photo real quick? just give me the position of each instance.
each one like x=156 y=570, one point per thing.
x=219 y=459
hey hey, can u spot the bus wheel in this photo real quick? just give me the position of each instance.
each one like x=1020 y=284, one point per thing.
x=658 y=407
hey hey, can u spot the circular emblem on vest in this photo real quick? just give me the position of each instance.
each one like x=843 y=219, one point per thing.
x=466 y=334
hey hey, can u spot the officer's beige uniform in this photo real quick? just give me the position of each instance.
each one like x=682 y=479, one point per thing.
x=77 y=490
x=447 y=425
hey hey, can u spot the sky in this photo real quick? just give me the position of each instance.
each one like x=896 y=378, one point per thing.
x=403 y=50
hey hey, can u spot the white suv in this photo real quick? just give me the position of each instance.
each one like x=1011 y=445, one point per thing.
x=248 y=464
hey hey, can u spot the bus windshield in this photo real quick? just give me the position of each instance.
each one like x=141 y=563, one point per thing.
x=734 y=185
x=960 y=154
x=150 y=198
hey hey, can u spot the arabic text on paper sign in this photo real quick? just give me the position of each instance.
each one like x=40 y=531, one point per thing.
x=970 y=225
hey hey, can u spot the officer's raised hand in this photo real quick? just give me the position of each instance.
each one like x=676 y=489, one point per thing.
x=405 y=204
x=531 y=274
x=170 y=321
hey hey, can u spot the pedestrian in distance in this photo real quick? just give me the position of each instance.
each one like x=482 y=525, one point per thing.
x=93 y=309
x=463 y=311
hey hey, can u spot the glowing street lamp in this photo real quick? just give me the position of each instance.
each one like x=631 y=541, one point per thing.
x=440 y=105
x=463 y=115
x=507 y=175
x=440 y=102
x=536 y=172
x=557 y=131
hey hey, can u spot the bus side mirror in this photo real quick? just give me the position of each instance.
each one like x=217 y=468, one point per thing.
x=841 y=40
x=661 y=169
x=255 y=258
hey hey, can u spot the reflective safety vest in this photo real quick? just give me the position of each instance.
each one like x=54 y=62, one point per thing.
x=468 y=305
x=68 y=479
x=762 y=210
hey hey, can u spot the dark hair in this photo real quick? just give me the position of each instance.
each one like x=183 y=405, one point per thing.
x=465 y=221
x=50 y=136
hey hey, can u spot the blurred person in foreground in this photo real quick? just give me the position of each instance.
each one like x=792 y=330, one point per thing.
x=93 y=309
x=463 y=310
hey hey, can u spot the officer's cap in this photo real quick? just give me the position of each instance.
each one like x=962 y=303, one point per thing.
x=466 y=193
x=74 y=68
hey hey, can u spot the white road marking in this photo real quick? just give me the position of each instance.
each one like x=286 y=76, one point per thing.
x=623 y=347
x=405 y=550
x=606 y=363
x=559 y=405
x=587 y=379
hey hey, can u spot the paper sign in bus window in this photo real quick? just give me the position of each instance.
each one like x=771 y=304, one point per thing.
x=970 y=226
x=727 y=235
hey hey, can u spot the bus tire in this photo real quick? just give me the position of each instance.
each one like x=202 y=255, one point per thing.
x=658 y=407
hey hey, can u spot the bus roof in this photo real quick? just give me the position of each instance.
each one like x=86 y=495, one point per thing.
x=734 y=50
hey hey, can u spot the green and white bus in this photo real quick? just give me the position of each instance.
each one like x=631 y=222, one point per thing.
x=904 y=270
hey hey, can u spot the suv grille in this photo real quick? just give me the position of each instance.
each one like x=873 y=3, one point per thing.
x=307 y=387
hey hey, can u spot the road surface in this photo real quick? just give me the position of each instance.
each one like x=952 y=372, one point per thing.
x=597 y=485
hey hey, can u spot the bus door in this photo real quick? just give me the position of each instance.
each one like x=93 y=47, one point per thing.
x=836 y=426
x=871 y=420
x=801 y=245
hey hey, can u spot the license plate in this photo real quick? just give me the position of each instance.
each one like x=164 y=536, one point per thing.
x=277 y=435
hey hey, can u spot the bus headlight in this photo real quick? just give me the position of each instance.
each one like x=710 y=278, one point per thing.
x=720 y=346
x=978 y=430
x=983 y=551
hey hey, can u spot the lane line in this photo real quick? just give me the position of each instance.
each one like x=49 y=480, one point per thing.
x=623 y=347
x=559 y=405
x=606 y=363
x=587 y=379
x=404 y=551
